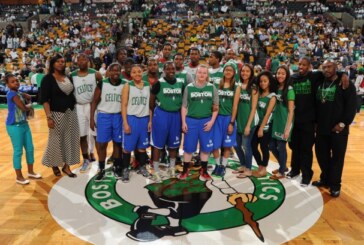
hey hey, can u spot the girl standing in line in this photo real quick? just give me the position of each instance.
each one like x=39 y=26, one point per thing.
x=225 y=128
x=247 y=119
x=282 y=121
x=262 y=135
x=137 y=121
x=18 y=129
x=199 y=110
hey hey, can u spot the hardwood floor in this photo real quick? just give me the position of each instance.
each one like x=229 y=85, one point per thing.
x=25 y=219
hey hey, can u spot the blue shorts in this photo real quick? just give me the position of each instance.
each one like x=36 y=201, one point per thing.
x=108 y=126
x=196 y=134
x=139 y=137
x=221 y=137
x=166 y=129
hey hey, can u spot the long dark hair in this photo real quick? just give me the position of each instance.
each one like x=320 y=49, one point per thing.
x=251 y=83
x=232 y=82
x=287 y=83
x=272 y=81
x=54 y=60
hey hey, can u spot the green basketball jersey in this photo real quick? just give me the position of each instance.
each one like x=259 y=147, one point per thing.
x=169 y=97
x=199 y=100
x=263 y=103
x=244 y=109
x=280 y=115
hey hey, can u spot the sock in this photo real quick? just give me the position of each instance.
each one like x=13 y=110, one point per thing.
x=118 y=163
x=172 y=162
x=217 y=160
x=204 y=166
x=102 y=165
x=185 y=166
x=224 y=161
x=156 y=167
x=85 y=156
x=141 y=158
x=126 y=160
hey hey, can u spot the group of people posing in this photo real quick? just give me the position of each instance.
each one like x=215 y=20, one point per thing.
x=216 y=107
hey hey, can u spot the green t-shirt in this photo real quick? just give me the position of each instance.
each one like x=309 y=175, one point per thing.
x=169 y=97
x=216 y=75
x=226 y=100
x=280 y=115
x=199 y=100
x=244 y=108
x=263 y=103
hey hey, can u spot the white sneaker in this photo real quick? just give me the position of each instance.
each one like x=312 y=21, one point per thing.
x=156 y=178
x=171 y=172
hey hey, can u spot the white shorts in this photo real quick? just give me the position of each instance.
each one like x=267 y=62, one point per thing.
x=83 y=115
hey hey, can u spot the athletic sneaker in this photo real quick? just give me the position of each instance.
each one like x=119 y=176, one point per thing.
x=184 y=175
x=85 y=166
x=118 y=173
x=143 y=171
x=125 y=177
x=100 y=175
x=292 y=175
x=171 y=172
x=204 y=175
x=156 y=178
x=110 y=160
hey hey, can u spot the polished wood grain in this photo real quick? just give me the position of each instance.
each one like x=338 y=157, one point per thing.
x=25 y=219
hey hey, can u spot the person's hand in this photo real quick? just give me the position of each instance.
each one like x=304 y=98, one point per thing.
x=337 y=129
x=246 y=131
x=50 y=123
x=149 y=126
x=26 y=96
x=260 y=132
x=127 y=128
x=207 y=126
x=92 y=125
x=286 y=134
x=230 y=129
x=184 y=128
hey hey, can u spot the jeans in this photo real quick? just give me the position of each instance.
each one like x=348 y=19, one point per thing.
x=243 y=148
x=21 y=136
x=278 y=148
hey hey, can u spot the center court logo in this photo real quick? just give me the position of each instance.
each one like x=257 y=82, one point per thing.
x=174 y=209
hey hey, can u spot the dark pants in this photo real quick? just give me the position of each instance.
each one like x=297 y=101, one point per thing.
x=303 y=138
x=262 y=159
x=330 y=153
x=278 y=148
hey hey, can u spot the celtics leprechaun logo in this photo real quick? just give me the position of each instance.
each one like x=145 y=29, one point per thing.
x=177 y=207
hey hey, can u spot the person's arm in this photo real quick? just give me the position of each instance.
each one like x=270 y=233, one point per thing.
x=253 y=110
x=215 y=111
x=46 y=99
x=349 y=109
x=153 y=94
x=16 y=99
x=124 y=108
x=98 y=76
x=234 y=111
x=272 y=103
x=184 y=111
x=96 y=100
x=289 y=119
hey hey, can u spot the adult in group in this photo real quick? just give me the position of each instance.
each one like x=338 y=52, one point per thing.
x=192 y=66
x=199 y=110
x=59 y=106
x=335 y=112
x=303 y=135
x=84 y=80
